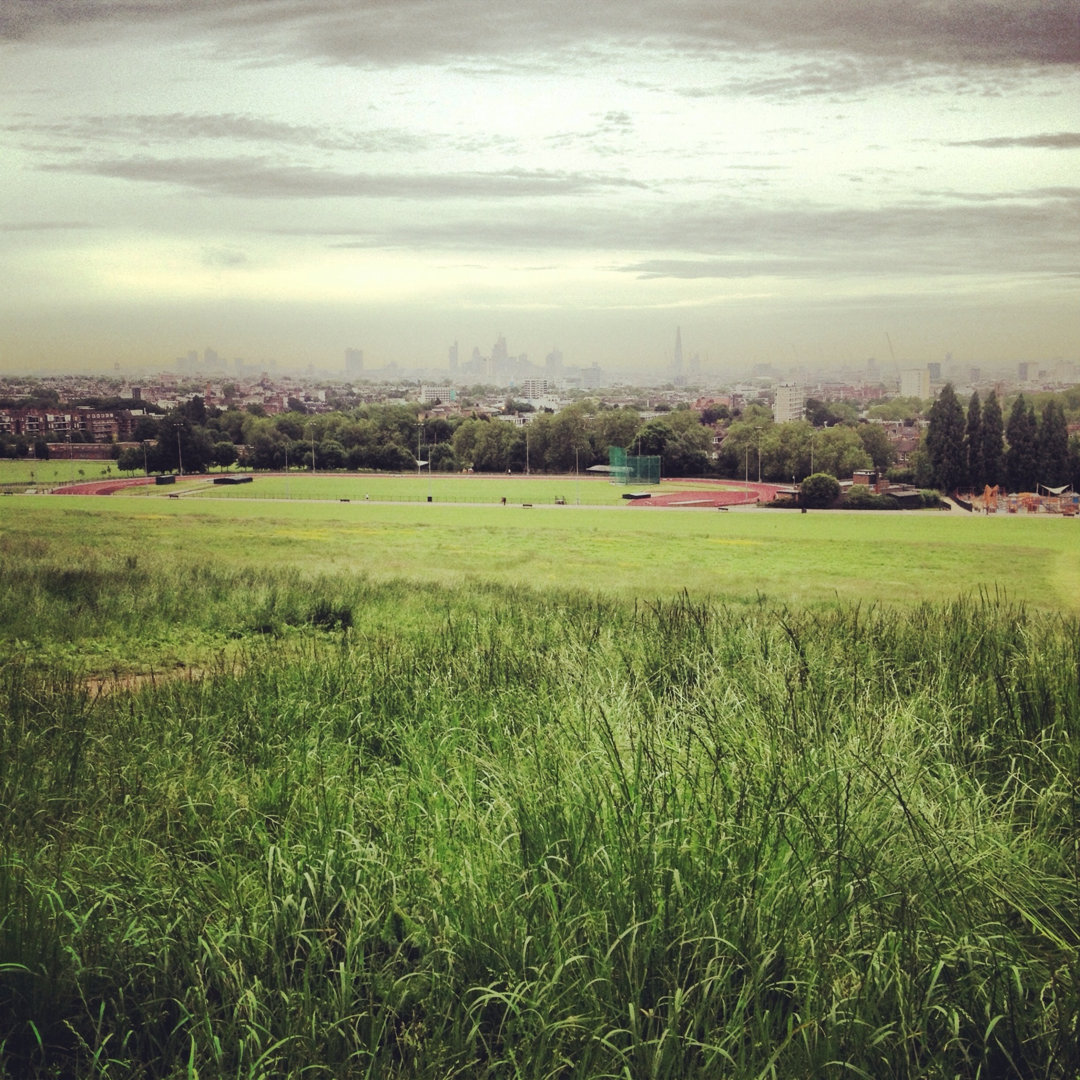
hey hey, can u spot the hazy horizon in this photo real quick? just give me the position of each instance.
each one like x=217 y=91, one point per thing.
x=285 y=179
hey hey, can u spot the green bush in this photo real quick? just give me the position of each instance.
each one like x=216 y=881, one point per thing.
x=860 y=497
x=819 y=490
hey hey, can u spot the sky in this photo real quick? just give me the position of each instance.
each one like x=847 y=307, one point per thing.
x=812 y=183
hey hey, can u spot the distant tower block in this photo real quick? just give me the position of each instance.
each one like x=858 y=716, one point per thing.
x=453 y=358
x=354 y=361
x=915 y=382
x=676 y=360
x=790 y=402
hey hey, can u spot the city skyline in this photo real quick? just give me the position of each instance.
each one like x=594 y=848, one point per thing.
x=288 y=180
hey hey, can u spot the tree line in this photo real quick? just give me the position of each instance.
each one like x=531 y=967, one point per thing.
x=980 y=448
x=395 y=438
x=961 y=448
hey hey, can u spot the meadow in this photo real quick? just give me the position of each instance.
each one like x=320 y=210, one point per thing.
x=376 y=790
x=20 y=474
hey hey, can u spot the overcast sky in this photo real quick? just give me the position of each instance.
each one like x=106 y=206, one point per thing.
x=787 y=182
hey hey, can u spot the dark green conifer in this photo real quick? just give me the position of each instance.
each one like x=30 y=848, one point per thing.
x=973 y=448
x=993 y=441
x=945 y=440
x=1053 y=446
x=1022 y=457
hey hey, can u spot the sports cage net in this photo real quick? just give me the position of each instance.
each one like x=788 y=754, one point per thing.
x=633 y=468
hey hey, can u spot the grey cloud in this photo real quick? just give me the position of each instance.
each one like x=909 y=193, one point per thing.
x=1060 y=140
x=478 y=142
x=258 y=178
x=691 y=269
x=839 y=77
x=224 y=258
x=617 y=121
x=953 y=33
x=744 y=240
x=607 y=136
x=148 y=129
x=1067 y=194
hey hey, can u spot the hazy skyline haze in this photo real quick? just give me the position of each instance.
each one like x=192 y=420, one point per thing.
x=282 y=180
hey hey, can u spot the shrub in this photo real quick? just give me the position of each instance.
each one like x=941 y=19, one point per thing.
x=860 y=497
x=819 y=490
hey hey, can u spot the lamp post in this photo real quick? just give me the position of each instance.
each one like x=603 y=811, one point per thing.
x=145 y=467
x=311 y=428
x=179 y=452
x=286 y=468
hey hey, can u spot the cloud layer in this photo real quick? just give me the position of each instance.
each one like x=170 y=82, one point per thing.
x=945 y=32
x=629 y=156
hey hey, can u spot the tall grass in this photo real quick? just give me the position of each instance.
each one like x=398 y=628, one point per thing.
x=408 y=831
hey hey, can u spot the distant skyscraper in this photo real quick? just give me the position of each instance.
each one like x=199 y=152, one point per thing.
x=935 y=371
x=453 y=358
x=354 y=361
x=676 y=360
x=553 y=362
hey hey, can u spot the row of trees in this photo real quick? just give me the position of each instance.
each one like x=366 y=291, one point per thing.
x=395 y=437
x=757 y=448
x=961 y=449
x=978 y=449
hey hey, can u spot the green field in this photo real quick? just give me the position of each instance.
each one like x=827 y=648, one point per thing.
x=630 y=551
x=27 y=471
x=375 y=789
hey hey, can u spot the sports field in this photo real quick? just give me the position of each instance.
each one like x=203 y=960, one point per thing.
x=744 y=555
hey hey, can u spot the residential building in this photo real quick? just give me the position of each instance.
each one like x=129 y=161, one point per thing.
x=789 y=403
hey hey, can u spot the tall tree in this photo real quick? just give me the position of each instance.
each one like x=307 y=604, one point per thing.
x=877 y=444
x=945 y=440
x=993 y=441
x=1053 y=445
x=973 y=444
x=1021 y=459
x=1074 y=462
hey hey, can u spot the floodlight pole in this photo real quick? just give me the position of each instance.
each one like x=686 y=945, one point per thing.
x=311 y=428
x=179 y=452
